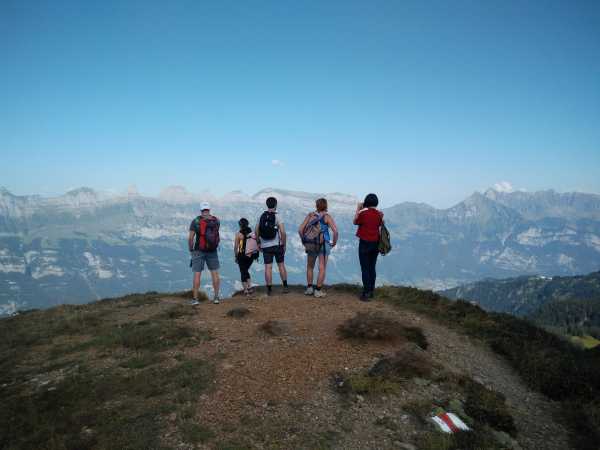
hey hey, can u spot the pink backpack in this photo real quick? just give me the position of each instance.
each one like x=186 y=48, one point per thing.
x=251 y=245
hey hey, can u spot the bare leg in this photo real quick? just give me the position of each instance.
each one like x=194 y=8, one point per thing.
x=310 y=268
x=322 y=270
x=282 y=271
x=216 y=281
x=269 y=274
x=196 y=285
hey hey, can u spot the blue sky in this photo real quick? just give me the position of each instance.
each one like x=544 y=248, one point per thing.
x=415 y=100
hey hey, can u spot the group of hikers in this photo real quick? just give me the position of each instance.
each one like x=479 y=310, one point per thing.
x=318 y=233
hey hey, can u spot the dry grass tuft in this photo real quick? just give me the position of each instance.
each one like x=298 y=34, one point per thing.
x=375 y=326
x=275 y=328
x=239 y=312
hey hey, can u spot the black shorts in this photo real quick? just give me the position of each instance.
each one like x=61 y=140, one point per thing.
x=273 y=252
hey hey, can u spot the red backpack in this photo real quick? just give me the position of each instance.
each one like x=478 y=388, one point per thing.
x=207 y=233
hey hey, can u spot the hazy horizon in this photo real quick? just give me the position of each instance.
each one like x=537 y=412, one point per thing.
x=503 y=186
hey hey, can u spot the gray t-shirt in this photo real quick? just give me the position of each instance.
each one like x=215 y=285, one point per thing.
x=265 y=243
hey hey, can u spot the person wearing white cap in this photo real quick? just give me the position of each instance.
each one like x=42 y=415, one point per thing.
x=203 y=242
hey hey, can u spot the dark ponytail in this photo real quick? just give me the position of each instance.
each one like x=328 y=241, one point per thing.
x=371 y=201
x=244 y=226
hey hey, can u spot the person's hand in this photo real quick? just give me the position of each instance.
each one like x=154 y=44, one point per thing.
x=359 y=206
x=333 y=244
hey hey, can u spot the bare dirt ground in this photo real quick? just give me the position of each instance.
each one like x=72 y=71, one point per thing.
x=277 y=391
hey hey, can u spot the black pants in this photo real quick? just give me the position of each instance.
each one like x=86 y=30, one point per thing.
x=367 y=255
x=245 y=262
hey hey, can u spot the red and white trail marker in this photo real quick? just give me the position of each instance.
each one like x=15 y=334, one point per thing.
x=450 y=423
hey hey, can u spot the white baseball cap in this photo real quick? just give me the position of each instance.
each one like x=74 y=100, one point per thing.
x=204 y=205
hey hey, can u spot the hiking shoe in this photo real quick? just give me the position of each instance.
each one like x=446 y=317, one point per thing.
x=364 y=297
x=320 y=293
x=286 y=290
x=309 y=291
x=216 y=300
x=194 y=302
x=371 y=294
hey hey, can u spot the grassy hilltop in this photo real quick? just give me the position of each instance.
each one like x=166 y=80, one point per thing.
x=150 y=372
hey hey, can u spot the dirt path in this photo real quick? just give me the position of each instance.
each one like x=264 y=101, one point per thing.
x=276 y=390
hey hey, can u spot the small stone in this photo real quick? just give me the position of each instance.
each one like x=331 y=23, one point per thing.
x=360 y=398
x=421 y=382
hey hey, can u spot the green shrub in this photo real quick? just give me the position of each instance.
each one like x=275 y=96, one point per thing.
x=365 y=384
x=376 y=326
x=488 y=407
x=405 y=364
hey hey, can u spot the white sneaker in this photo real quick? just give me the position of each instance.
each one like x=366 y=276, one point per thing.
x=194 y=302
x=320 y=293
x=216 y=300
x=309 y=291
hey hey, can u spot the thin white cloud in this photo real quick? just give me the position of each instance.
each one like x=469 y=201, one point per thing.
x=504 y=186
x=277 y=163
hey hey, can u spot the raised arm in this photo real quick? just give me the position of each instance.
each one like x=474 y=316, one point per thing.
x=359 y=208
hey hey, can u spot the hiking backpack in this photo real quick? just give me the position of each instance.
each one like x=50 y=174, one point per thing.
x=312 y=234
x=267 y=226
x=248 y=246
x=385 y=243
x=207 y=233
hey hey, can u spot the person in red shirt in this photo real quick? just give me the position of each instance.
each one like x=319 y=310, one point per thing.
x=369 y=220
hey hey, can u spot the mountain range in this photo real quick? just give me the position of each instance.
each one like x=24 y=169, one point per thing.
x=86 y=244
x=568 y=304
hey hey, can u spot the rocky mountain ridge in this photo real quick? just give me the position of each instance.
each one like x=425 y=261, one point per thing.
x=86 y=245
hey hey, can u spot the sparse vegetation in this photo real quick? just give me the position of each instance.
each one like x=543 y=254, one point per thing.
x=545 y=361
x=275 y=328
x=379 y=327
x=362 y=383
x=108 y=383
x=405 y=364
x=238 y=312
x=121 y=374
x=387 y=374
x=488 y=407
x=477 y=439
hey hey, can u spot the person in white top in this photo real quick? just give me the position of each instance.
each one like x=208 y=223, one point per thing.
x=271 y=237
